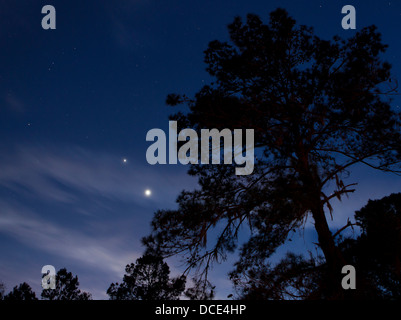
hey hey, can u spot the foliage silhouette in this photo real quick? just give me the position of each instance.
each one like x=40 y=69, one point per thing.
x=21 y=292
x=66 y=288
x=202 y=290
x=147 y=279
x=375 y=254
x=294 y=277
x=318 y=107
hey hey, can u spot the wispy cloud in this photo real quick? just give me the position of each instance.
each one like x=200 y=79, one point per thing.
x=60 y=174
x=108 y=253
x=85 y=182
x=66 y=204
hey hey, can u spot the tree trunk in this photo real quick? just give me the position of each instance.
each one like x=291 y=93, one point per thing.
x=331 y=287
x=332 y=254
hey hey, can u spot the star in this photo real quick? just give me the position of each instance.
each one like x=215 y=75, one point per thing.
x=148 y=193
x=125 y=160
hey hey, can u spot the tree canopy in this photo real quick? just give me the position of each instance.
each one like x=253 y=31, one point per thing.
x=21 y=292
x=66 y=288
x=147 y=279
x=317 y=108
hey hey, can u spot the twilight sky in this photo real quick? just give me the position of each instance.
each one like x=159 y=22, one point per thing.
x=76 y=101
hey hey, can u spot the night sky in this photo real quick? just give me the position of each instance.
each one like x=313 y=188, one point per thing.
x=76 y=101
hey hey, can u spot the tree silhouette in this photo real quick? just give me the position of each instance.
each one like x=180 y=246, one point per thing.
x=21 y=292
x=317 y=108
x=294 y=277
x=375 y=253
x=66 y=288
x=147 y=279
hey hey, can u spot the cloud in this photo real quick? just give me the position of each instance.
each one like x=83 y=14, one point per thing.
x=80 y=208
x=97 y=259
x=108 y=253
x=51 y=184
x=64 y=174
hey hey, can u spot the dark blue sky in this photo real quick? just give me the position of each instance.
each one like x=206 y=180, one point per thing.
x=77 y=100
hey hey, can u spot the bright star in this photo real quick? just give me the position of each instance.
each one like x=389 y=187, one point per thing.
x=148 y=192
